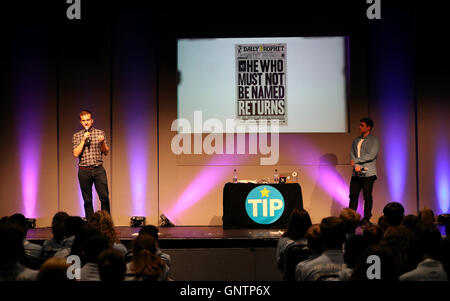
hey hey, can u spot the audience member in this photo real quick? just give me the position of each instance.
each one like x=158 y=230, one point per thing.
x=393 y=213
x=54 y=244
x=410 y=221
x=10 y=253
x=103 y=222
x=373 y=234
x=399 y=239
x=315 y=244
x=111 y=265
x=351 y=219
x=153 y=231
x=383 y=269
x=53 y=270
x=32 y=251
x=354 y=247
x=72 y=227
x=92 y=247
x=426 y=216
x=428 y=240
x=299 y=222
x=146 y=266
x=328 y=265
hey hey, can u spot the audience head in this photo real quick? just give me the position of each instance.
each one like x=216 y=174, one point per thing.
x=103 y=222
x=11 y=237
x=20 y=221
x=373 y=234
x=428 y=240
x=393 y=213
x=58 y=225
x=401 y=241
x=72 y=225
x=332 y=231
x=314 y=239
x=299 y=222
x=53 y=270
x=111 y=265
x=150 y=229
x=354 y=247
x=426 y=216
x=86 y=231
x=388 y=268
x=410 y=221
x=145 y=261
x=93 y=246
x=351 y=219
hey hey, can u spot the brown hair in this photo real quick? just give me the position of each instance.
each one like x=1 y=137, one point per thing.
x=351 y=219
x=103 y=222
x=145 y=260
x=85 y=112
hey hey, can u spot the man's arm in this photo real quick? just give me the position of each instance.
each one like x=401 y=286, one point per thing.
x=79 y=148
x=104 y=146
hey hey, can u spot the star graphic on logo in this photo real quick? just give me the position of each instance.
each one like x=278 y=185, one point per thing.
x=264 y=192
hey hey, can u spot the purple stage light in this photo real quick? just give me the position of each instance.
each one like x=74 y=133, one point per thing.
x=30 y=99
x=138 y=154
x=204 y=182
x=395 y=151
x=442 y=178
x=328 y=177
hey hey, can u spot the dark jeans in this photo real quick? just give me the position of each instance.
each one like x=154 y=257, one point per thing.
x=366 y=184
x=96 y=176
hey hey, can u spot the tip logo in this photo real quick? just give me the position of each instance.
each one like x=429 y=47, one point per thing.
x=264 y=204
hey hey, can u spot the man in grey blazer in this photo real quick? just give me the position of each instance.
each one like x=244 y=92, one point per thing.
x=363 y=157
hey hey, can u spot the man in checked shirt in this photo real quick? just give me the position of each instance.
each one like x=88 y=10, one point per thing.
x=89 y=146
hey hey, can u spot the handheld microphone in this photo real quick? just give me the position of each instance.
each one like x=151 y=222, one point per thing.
x=87 y=142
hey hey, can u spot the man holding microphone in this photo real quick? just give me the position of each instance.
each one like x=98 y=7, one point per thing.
x=89 y=146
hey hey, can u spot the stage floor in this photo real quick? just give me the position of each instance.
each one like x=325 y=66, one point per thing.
x=189 y=237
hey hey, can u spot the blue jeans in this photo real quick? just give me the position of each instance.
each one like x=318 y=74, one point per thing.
x=96 y=176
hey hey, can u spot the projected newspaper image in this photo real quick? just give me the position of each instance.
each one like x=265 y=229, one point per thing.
x=299 y=82
x=261 y=82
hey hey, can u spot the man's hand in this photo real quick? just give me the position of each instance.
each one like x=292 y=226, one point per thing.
x=86 y=135
x=358 y=168
x=101 y=139
x=352 y=163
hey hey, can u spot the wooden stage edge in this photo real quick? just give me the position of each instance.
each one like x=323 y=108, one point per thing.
x=189 y=236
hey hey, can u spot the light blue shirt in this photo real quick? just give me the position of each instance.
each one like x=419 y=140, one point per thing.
x=427 y=270
x=330 y=263
x=368 y=155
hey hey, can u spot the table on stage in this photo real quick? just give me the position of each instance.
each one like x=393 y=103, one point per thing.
x=234 y=205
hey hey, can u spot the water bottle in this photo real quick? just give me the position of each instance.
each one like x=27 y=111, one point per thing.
x=276 y=177
x=235 y=176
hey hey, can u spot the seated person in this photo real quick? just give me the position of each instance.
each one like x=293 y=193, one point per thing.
x=328 y=265
x=54 y=244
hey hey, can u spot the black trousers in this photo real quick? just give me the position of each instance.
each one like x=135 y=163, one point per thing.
x=366 y=184
x=96 y=176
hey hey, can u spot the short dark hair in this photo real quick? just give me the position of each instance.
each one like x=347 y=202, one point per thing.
x=332 y=231
x=111 y=265
x=393 y=213
x=150 y=229
x=299 y=223
x=367 y=121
